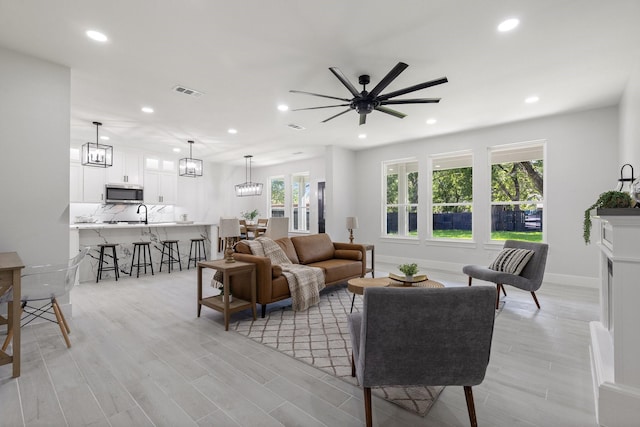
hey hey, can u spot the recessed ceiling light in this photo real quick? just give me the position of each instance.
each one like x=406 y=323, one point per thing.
x=508 y=25
x=532 y=99
x=431 y=121
x=104 y=137
x=176 y=150
x=232 y=131
x=96 y=35
x=147 y=110
x=283 y=107
x=362 y=136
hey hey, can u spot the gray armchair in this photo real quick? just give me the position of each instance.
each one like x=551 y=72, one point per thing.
x=530 y=279
x=422 y=337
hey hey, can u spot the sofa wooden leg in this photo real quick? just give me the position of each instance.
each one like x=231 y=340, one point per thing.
x=503 y=290
x=367 y=406
x=533 y=294
x=468 y=394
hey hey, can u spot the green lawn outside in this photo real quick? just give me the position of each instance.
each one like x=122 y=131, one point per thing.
x=528 y=236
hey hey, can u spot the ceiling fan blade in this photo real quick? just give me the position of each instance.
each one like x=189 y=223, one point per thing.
x=394 y=113
x=324 y=106
x=391 y=75
x=410 y=101
x=413 y=88
x=344 y=81
x=363 y=119
x=322 y=96
x=339 y=114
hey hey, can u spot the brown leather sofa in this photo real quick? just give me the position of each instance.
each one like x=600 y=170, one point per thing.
x=339 y=262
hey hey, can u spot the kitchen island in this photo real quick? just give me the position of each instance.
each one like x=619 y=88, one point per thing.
x=126 y=233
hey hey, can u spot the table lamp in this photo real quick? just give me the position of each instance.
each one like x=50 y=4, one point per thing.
x=352 y=224
x=229 y=228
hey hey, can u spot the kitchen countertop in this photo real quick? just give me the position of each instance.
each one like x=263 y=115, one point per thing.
x=96 y=225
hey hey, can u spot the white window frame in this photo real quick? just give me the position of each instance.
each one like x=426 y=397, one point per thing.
x=270 y=200
x=403 y=204
x=303 y=207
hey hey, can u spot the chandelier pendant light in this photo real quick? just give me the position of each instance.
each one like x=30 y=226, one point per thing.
x=97 y=155
x=248 y=188
x=189 y=166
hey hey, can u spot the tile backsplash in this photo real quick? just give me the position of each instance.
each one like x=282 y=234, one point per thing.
x=109 y=212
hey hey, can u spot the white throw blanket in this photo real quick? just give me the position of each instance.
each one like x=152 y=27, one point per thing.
x=305 y=283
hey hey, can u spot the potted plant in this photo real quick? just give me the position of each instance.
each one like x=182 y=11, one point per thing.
x=408 y=270
x=250 y=215
x=608 y=199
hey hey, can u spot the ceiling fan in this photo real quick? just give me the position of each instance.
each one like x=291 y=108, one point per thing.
x=365 y=102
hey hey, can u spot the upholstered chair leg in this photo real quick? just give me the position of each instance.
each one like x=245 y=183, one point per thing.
x=353 y=366
x=503 y=290
x=367 y=406
x=470 y=279
x=533 y=294
x=468 y=394
x=497 y=296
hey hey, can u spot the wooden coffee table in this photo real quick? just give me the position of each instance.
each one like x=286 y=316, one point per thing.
x=358 y=285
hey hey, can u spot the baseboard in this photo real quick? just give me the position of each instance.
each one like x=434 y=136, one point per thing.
x=456 y=268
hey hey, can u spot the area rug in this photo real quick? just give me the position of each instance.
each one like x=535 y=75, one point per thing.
x=320 y=337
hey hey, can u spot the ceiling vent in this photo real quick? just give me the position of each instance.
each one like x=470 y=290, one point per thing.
x=296 y=127
x=187 y=91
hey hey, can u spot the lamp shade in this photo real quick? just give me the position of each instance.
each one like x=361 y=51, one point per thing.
x=229 y=227
x=352 y=222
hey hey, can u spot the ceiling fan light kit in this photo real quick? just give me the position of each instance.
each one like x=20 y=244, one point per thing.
x=365 y=102
x=248 y=188
x=97 y=155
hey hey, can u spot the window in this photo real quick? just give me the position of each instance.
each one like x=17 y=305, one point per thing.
x=276 y=206
x=300 y=201
x=401 y=199
x=452 y=196
x=517 y=192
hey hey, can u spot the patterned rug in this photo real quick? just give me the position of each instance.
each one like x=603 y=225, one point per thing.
x=320 y=337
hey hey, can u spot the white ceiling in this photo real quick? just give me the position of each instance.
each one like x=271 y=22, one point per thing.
x=246 y=55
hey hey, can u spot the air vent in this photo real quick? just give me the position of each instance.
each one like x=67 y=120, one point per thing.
x=187 y=91
x=296 y=127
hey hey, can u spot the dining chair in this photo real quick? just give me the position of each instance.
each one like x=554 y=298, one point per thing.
x=42 y=285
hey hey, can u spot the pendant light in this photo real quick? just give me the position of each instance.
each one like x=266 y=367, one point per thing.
x=97 y=155
x=189 y=166
x=248 y=188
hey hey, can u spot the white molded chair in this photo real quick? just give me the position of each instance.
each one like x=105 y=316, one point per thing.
x=46 y=283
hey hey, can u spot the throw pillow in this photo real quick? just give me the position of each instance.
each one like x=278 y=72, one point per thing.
x=511 y=260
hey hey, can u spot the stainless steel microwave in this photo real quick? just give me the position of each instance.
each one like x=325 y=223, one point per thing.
x=124 y=193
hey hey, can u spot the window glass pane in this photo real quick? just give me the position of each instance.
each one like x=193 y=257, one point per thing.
x=392 y=189
x=277 y=197
x=452 y=196
x=412 y=212
x=401 y=198
x=412 y=187
x=392 y=220
x=300 y=193
x=517 y=186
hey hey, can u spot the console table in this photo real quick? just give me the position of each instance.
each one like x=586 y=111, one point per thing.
x=10 y=267
x=615 y=347
x=221 y=302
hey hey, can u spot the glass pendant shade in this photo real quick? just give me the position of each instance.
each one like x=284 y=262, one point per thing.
x=96 y=154
x=189 y=166
x=248 y=188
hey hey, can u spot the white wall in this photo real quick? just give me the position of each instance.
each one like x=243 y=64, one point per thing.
x=340 y=192
x=630 y=122
x=34 y=164
x=582 y=159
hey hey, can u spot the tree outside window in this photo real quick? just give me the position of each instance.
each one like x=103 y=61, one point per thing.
x=452 y=196
x=401 y=200
x=300 y=195
x=277 y=196
x=517 y=192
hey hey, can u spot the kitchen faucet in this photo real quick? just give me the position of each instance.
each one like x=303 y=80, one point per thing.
x=145 y=212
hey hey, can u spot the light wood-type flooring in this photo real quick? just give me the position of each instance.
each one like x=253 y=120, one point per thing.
x=141 y=357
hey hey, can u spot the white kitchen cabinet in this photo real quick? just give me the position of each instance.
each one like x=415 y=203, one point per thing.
x=93 y=184
x=127 y=167
x=160 y=187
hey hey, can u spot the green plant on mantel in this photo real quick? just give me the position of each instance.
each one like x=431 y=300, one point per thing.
x=408 y=269
x=250 y=215
x=609 y=199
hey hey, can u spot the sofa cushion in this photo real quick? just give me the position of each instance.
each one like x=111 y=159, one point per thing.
x=313 y=248
x=338 y=270
x=288 y=248
x=511 y=260
x=348 y=254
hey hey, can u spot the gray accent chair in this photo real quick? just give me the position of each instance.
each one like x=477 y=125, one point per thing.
x=530 y=279
x=422 y=337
